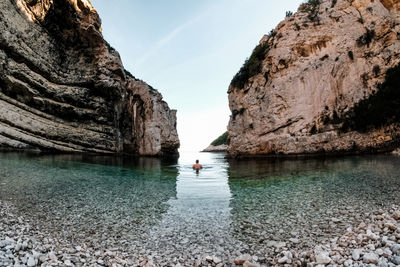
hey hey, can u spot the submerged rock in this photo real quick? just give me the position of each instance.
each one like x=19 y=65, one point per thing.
x=63 y=88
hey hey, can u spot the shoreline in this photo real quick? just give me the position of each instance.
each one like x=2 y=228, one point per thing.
x=376 y=240
x=310 y=155
x=220 y=148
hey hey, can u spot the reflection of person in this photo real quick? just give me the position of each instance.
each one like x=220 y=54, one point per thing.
x=197 y=166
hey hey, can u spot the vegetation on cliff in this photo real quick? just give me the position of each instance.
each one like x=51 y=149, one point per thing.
x=221 y=140
x=251 y=67
x=312 y=8
x=366 y=38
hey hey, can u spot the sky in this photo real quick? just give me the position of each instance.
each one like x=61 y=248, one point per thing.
x=189 y=50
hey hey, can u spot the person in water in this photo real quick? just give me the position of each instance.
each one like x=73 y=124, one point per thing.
x=197 y=166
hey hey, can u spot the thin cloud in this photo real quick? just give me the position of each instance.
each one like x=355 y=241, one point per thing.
x=170 y=36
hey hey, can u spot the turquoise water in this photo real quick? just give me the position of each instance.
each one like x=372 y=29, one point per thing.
x=153 y=206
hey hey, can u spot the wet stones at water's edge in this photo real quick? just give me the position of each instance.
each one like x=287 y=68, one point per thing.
x=374 y=241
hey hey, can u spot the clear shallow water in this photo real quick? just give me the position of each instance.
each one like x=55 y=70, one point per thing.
x=157 y=207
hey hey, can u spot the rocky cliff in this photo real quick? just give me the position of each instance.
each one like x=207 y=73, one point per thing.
x=325 y=80
x=63 y=88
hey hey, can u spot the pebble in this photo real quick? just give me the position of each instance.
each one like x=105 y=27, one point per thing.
x=17 y=247
x=52 y=256
x=379 y=240
x=396 y=260
x=209 y=258
x=276 y=244
x=371 y=258
x=395 y=249
x=31 y=262
x=391 y=226
x=249 y=264
x=242 y=258
x=68 y=263
x=322 y=258
x=216 y=260
x=348 y=263
x=282 y=260
x=356 y=254
x=362 y=225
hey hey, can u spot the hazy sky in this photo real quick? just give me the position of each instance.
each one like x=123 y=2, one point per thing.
x=189 y=50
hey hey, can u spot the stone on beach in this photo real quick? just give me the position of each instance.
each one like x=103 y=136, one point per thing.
x=356 y=254
x=282 y=260
x=31 y=262
x=216 y=260
x=396 y=260
x=242 y=258
x=276 y=244
x=322 y=258
x=52 y=256
x=395 y=249
x=371 y=258
x=250 y=264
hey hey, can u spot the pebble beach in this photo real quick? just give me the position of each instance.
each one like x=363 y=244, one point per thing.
x=373 y=242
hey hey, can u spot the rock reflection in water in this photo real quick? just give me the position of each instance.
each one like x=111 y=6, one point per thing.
x=76 y=197
x=300 y=202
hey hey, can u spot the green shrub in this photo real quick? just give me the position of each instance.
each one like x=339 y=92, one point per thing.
x=109 y=47
x=376 y=70
x=313 y=130
x=351 y=55
x=272 y=33
x=366 y=38
x=221 y=140
x=289 y=14
x=312 y=8
x=127 y=73
x=251 y=67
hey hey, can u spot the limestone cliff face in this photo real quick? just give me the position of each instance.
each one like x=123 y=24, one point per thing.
x=63 y=88
x=314 y=70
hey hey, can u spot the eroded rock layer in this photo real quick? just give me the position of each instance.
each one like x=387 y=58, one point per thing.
x=313 y=82
x=63 y=88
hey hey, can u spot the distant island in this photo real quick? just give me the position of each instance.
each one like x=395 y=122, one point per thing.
x=218 y=145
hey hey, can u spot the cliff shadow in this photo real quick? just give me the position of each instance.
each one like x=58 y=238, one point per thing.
x=305 y=202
